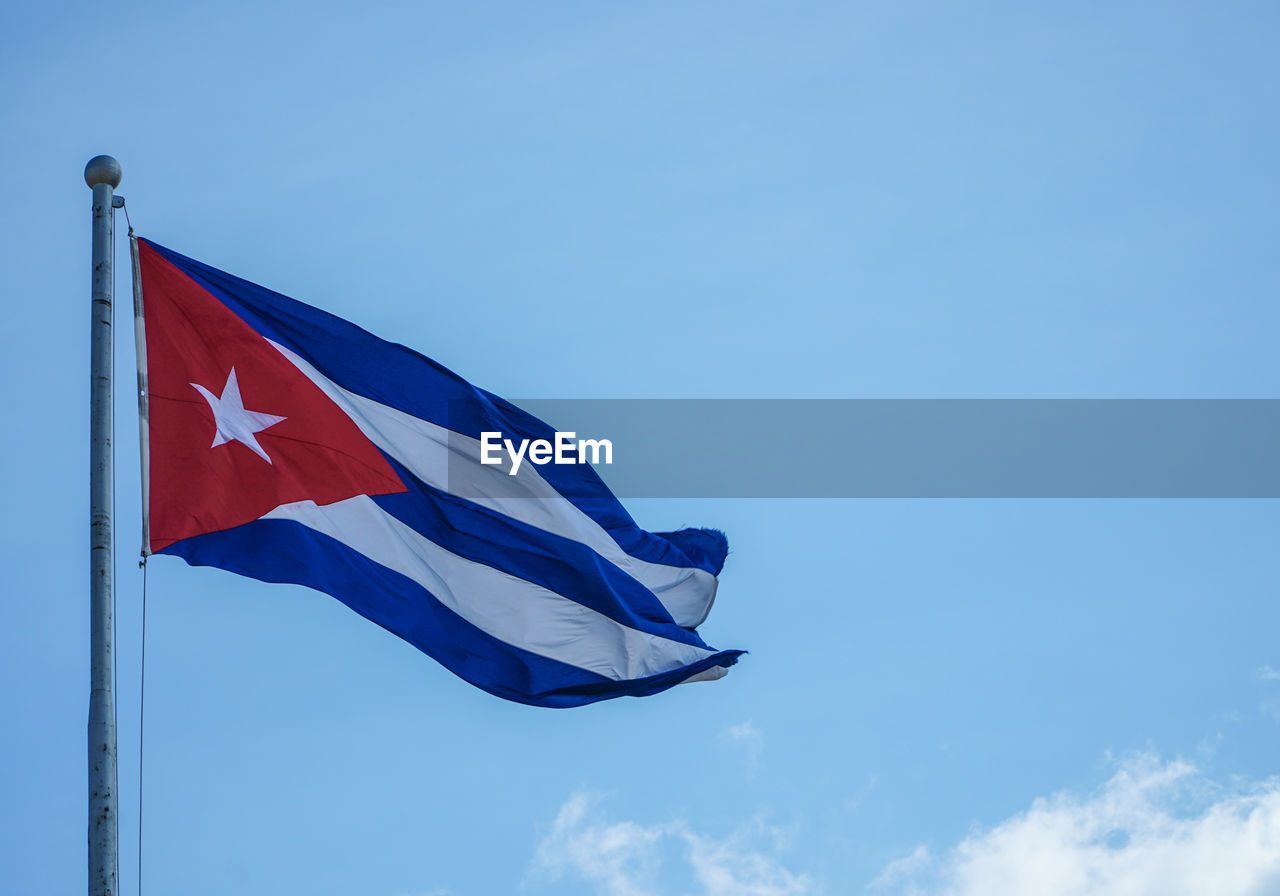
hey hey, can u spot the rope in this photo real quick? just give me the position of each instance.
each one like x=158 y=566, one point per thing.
x=142 y=564
x=115 y=684
x=142 y=709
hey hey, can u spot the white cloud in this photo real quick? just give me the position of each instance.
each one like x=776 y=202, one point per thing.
x=619 y=859
x=749 y=738
x=851 y=804
x=1269 y=706
x=624 y=858
x=736 y=867
x=904 y=869
x=1155 y=829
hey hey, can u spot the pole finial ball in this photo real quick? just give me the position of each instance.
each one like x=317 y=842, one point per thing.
x=103 y=170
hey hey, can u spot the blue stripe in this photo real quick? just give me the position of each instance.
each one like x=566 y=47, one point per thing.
x=562 y=565
x=287 y=551
x=410 y=382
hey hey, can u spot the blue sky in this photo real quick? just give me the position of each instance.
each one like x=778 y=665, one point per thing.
x=677 y=200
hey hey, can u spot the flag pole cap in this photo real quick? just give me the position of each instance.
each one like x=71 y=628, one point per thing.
x=103 y=170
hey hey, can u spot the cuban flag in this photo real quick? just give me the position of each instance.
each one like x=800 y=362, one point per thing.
x=288 y=445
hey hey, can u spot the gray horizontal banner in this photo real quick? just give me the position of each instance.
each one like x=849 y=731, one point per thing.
x=920 y=448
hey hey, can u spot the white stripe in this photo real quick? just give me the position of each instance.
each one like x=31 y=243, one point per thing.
x=424 y=448
x=507 y=607
x=711 y=673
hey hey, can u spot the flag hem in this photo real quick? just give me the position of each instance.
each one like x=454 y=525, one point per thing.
x=144 y=422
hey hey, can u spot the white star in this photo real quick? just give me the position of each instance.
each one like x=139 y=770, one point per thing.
x=234 y=423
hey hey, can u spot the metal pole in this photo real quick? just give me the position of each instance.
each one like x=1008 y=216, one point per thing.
x=103 y=175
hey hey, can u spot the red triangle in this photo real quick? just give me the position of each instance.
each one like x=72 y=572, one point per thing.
x=316 y=453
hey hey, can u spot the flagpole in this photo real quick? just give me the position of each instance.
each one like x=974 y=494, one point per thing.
x=103 y=175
